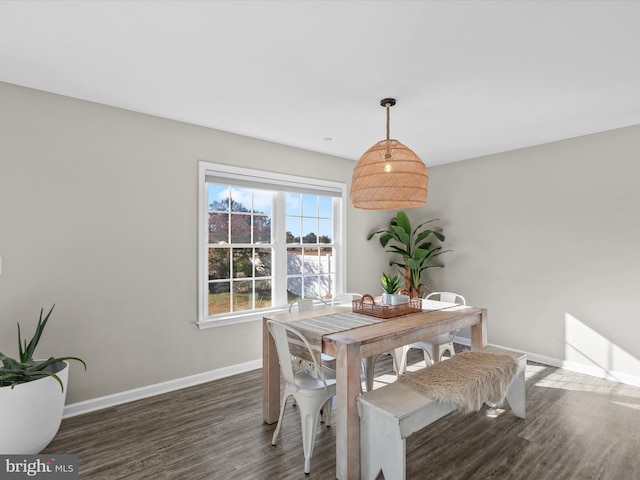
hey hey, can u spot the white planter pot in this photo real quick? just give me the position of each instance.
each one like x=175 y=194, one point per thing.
x=399 y=299
x=30 y=413
x=394 y=299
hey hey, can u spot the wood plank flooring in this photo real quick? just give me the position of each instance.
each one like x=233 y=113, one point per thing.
x=577 y=428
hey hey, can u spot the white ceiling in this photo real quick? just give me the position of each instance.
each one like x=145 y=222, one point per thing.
x=470 y=77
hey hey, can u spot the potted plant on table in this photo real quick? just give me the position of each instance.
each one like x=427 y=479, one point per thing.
x=32 y=396
x=390 y=285
x=416 y=247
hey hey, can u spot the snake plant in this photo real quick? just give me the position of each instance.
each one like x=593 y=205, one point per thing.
x=390 y=284
x=25 y=369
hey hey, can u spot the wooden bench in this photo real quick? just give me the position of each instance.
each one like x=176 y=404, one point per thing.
x=390 y=414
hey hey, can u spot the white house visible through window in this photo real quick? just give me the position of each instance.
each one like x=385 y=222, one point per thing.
x=266 y=240
x=310 y=249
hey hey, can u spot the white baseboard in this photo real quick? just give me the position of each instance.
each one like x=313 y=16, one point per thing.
x=572 y=366
x=99 y=403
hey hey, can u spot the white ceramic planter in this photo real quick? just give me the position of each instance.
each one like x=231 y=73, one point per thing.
x=399 y=299
x=394 y=299
x=30 y=413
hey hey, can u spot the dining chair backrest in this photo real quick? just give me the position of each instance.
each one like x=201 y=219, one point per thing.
x=306 y=304
x=345 y=298
x=448 y=297
x=283 y=334
x=434 y=348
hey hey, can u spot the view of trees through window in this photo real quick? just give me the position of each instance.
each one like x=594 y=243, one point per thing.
x=243 y=251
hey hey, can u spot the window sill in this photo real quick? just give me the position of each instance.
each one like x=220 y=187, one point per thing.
x=225 y=321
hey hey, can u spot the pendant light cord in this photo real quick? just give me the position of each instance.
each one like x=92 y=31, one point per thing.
x=388 y=106
x=387 y=154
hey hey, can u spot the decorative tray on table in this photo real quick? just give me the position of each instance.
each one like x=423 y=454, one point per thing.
x=368 y=305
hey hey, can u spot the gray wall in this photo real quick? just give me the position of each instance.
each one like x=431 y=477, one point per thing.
x=98 y=214
x=548 y=239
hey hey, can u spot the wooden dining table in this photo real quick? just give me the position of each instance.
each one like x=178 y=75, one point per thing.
x=349 y=337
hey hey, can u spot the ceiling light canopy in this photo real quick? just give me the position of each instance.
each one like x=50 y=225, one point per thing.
x=389 y=175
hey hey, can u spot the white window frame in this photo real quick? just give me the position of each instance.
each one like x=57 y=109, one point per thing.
x=272 y=181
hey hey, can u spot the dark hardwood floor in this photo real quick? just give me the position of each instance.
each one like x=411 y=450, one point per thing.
x=577 y=428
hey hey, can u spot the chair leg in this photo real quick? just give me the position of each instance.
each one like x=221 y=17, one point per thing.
x=403 y=360
x=427 y=358
x=285 y=397
x=369 y=374
x=309 y=411
x=442 y=349
x=325 y=412
x=399 y=357
x=436 y=353
x=308 y=438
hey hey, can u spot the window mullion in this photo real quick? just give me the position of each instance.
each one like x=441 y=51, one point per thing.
x=339 y=246
x=280 y=241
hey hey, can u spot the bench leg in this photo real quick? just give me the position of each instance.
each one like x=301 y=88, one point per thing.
x=381 y=446
x=516 y=395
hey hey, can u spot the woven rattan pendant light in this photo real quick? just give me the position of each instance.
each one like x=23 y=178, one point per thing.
x=389 y=175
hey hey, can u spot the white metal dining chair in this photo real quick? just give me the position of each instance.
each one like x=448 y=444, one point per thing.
x=311 y=392
x=368 y=364
x=305 y=305
x=434 y=348
x=345 y=299
x=327 y=361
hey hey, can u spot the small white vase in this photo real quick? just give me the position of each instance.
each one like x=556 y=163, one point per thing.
x=399 y=299
x=394 y=299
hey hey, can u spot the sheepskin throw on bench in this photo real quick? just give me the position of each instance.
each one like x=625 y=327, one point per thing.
x=465 y=381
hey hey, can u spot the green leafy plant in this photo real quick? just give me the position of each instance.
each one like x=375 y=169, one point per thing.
x=391 y=284
x=416 y=246
x=14 y=372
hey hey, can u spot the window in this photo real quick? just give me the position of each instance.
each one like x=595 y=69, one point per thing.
x=265 y=240
x=310 y=248
x=240 y=249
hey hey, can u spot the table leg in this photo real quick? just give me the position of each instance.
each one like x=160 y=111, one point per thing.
x=347 y=420
x=479 y=332
x=270 y=377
